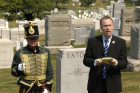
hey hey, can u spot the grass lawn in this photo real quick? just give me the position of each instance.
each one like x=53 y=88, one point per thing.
x=130 y=81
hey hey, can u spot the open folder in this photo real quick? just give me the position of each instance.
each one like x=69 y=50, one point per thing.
x=106 y=60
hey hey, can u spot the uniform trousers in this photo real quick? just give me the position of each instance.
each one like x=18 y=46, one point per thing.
x=23 y=90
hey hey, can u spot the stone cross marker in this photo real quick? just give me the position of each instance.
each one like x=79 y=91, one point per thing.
x=71 y=74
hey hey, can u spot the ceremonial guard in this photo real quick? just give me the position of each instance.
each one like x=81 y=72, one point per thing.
x=32 y=63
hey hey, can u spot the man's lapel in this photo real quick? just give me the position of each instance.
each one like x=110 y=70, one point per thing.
x=112 y=43
x=100 y=42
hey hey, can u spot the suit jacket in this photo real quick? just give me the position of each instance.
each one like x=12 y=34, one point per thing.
x=95 y=50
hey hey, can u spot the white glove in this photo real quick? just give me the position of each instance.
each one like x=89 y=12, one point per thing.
x=21 y=67
x=45 y=91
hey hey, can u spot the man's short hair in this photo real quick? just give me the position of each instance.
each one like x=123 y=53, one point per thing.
x=105 y=17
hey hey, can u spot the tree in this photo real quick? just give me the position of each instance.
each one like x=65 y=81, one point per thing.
x=56 y=2
x=17 y=8
x=137 y=3
x=87 y=3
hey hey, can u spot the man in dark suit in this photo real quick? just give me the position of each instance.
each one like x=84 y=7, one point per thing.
x=105 y=60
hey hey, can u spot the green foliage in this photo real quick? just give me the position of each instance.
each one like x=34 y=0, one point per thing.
x=15 y=9
x=87 y=3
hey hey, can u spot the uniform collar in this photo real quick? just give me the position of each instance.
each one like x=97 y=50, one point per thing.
x=32 y=50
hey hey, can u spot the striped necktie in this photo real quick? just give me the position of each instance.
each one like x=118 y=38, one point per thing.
x=105 y=52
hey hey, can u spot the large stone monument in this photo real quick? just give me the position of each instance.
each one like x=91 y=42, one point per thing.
x=130 y=17
x=57 y=29
x=134 y=58
x=117 y=7
x=6 y=53
x=71 y=74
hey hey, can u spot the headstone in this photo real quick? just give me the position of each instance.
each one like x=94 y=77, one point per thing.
x=3 y=25
x=116 y=23
x=112 y=3
x=18 y=46
x=85 y=12
x=20 y=25
x=80 y=16
x=83 y=16
x=5 y=34
x=135 y=42
x=71 y=74
x=120 y=1
x=79 y=4
x=73 y=4
x=100 y=10
x=108 y=7
x=130 y=17
x=56 y=10
x=16 y=36
x=80 y=11
x=41 y=26
x=81 y=35
x=97 y=24
x=117 y=7
x=77 y=23
x=115 y=33
x=23 y=43
x=134 y=58
x=105 y=12
x=6 y=53
x=116 y=26
x=75 y=0
x=57 y=29
x=71 y=12
x=111 y=9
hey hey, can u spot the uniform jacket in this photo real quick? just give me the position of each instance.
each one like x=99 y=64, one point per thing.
x=27 y=50
x=95 y=50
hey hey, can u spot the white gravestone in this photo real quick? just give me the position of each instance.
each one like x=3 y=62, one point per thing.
x=5 y=34
x=3 y=25
x=18 y=46
x=97 y=24
x=6 y=53
x=71 y=74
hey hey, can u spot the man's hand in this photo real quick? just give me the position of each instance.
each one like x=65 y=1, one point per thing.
x=113 y=62
x=99 y=61
x=21 y=67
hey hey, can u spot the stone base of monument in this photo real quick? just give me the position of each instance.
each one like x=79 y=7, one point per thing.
x=54 y=49
x=133 y=64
